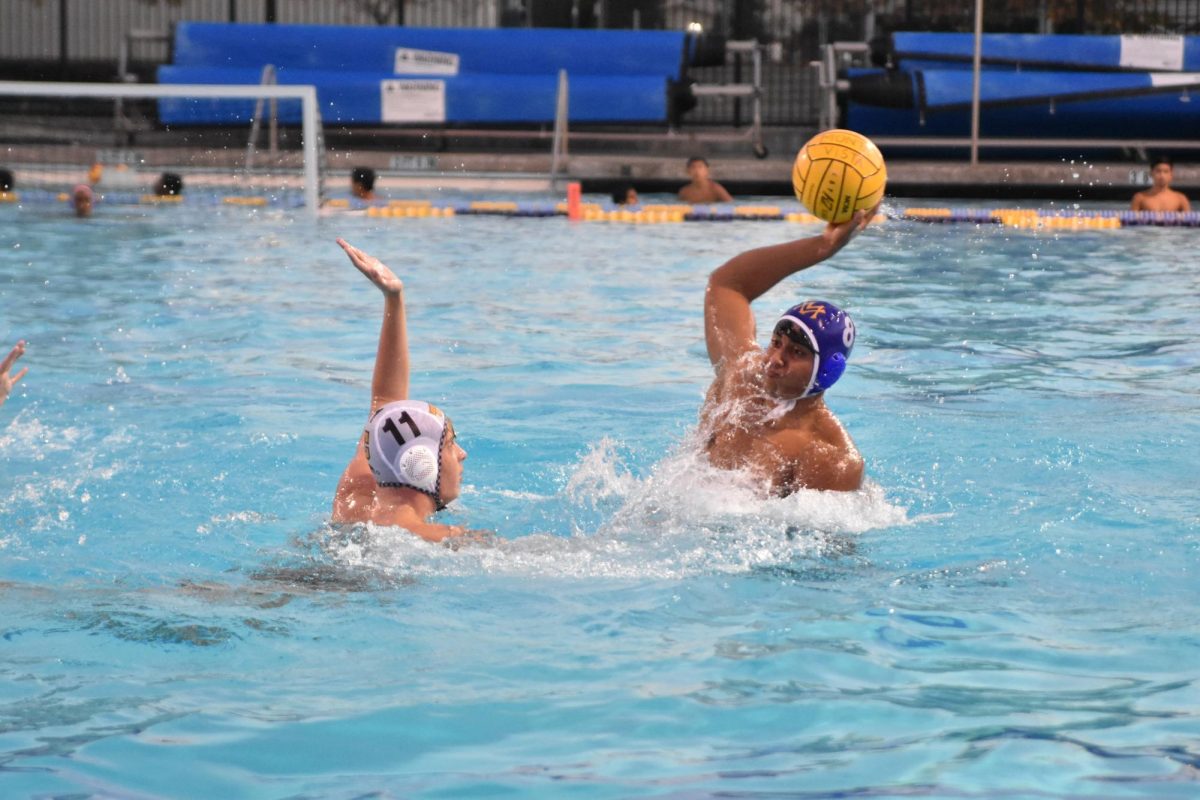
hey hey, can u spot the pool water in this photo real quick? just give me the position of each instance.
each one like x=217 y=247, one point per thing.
x=1009 y=608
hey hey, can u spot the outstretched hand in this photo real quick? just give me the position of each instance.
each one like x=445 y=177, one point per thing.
x=7 y=382
x=373 y=268
x=837 y=236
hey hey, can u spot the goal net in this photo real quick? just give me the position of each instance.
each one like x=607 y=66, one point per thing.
x=54 y=136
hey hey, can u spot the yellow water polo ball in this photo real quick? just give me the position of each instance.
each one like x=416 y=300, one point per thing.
x=838 y=172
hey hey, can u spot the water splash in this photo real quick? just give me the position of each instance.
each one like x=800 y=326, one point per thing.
x=685 y=518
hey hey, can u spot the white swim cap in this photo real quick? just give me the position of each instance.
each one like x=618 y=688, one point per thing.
x=404 y=446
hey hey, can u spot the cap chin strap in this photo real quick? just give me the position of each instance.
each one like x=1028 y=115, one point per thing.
x=812 y=388
x=781 y=409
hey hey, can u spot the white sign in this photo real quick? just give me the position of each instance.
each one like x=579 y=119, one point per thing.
x=410 y=61
x=1152 y=52
x=412 y=101
x=1176 y=79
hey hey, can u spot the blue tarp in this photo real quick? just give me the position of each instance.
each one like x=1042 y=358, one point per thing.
x=356 y=97
x=1146 y=117
x=1088 y=87
x=941 y=89
x=372 y=49
x=914 y=50
x=492 y=75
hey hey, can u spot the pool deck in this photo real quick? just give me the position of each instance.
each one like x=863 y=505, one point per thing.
x=770 y=176
x=654 y=162
x=497 y=161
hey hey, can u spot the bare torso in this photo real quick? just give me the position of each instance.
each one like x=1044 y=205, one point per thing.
x=1160 y=200
x=804 y=446
x=704 y=192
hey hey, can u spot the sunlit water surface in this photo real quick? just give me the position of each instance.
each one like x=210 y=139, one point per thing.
x=1009 y=608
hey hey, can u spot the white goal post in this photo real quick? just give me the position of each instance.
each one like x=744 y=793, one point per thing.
x=307 y=95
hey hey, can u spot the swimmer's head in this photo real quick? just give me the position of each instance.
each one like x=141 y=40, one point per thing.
x=1162 y=171
x=697 y=168
x=362 y=182
x=81 y=199
x=170 y=184
x=625 y=195
x=824 y=330
x=411 y=444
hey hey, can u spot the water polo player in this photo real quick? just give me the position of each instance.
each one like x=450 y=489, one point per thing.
x=765 y=411
x=408 y=465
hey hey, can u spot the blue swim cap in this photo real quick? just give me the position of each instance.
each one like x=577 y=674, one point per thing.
x=828 y=332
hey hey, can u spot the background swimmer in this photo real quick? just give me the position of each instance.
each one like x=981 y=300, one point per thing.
x=170 y=184
x=362 y=183
x=765 y=410
x=81 y=200
x=702 y=188
x=1160 y=196
x=7 y=381
x=409 y=464
x=625 y=195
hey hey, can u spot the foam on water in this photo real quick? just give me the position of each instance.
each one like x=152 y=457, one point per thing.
x=685 y=518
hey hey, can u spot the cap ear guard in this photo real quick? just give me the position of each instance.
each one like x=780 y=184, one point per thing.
x=831 y=369
x=420 y=465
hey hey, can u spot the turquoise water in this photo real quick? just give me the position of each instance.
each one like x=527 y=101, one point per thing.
x=1009 y=609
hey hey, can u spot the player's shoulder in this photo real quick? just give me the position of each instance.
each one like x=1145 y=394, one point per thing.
x=827 y=458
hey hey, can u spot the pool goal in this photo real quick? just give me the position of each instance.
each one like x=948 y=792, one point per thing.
x=56 y=135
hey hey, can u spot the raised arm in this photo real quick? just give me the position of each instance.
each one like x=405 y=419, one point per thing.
x=7 y=381
x=732 y=287
x=390 y=380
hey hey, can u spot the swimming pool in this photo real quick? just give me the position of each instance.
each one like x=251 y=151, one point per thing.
x=1009 y=609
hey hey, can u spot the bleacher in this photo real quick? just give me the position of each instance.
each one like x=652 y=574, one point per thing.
x=399 y=75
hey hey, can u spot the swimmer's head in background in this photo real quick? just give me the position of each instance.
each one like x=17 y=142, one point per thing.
x=828 y=332
x=81 y=199
x=363 y=179
x=404 y=446
x=170 y=184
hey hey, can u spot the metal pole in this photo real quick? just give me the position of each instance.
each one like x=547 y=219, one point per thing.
x=558 y=146
x=975 y=82
x=62 y=37
x=309 y=122
x=233 y=10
